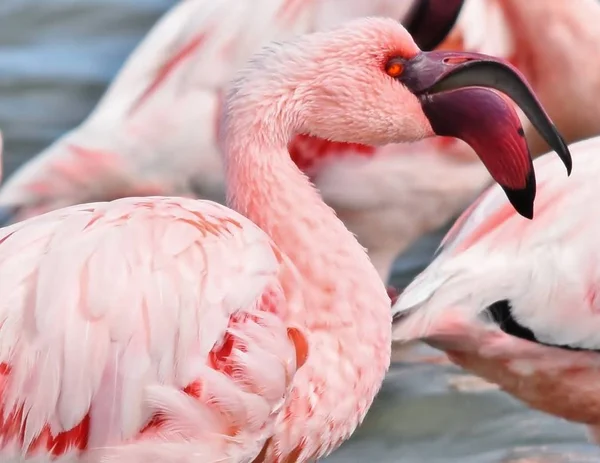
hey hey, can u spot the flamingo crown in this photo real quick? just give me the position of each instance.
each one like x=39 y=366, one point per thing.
x=332 y=85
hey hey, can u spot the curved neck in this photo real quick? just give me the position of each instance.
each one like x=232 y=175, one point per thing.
x=266 y=186
x=346 y=307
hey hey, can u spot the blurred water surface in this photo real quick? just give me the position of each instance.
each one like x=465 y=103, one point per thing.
x=56 y=58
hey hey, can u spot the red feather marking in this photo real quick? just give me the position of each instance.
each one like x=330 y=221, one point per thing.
x=12 y=426
x=301 y=345
x=75 y=171
x=306 y=151
x=168 y=67
x=492 y=222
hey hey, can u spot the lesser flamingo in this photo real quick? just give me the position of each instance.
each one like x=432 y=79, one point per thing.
x=516 y=301
x=169 y=329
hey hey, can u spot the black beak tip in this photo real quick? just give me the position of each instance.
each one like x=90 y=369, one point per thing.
x=568 y=161
x=522 y=200
x=562 y=149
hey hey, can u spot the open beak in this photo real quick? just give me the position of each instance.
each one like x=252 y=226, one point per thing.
x=430 y=21
x=454 y=90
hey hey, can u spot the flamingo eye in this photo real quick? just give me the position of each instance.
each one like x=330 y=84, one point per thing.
x=394 y=68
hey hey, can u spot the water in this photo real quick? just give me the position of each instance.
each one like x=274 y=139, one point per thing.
x=56 y=57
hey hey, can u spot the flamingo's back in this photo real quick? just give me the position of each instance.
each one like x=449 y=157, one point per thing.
x=127 y=325
x=544 y=266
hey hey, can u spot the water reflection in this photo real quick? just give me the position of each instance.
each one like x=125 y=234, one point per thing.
x=56 y=58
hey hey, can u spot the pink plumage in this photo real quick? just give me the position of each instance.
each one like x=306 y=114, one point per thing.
x=166 y=329
x=516 y=301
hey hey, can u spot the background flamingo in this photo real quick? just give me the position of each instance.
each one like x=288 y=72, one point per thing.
x=194 y=351
x=514 y=300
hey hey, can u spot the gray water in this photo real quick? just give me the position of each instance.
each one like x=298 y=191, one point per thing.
x=56 y=58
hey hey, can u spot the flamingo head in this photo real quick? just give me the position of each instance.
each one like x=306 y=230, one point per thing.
x=367 y=82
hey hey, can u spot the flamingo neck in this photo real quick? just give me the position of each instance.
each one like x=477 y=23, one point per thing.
x=347 y=310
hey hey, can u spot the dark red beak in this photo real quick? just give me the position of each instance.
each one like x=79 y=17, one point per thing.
x=454 y=90
x=430 y=21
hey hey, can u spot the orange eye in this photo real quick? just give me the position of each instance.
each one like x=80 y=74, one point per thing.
x=394 y=69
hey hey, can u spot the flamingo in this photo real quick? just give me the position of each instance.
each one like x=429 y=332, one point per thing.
x=174 y=329
x=515 y=301
x=154 y=131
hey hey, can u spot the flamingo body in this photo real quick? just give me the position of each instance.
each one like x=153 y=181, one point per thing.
x=515 y=301
x=193 y=335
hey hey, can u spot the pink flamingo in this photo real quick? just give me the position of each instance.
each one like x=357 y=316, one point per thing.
x=172 y=329
x=516 y=301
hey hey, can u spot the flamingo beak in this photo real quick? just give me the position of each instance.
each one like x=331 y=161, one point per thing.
x=458 y=95
x=430 y=21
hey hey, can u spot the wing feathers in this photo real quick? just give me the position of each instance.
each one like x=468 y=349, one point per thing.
x=161 y=315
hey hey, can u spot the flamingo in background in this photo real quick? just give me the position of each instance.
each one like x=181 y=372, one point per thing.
x=154 y=131
x=516 y=301
x=249 y=336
